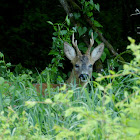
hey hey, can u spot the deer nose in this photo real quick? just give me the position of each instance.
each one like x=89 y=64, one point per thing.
x=84 y=76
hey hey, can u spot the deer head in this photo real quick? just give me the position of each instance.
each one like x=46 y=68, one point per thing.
x=82 y=63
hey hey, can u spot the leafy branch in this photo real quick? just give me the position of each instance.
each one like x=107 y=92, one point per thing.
x=76 y=7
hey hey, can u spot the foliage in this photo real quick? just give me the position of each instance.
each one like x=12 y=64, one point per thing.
x=109 y=109
x=25 y=35
x=19 y=127
x=63 y=32
x=101 y=122
x=3 y=66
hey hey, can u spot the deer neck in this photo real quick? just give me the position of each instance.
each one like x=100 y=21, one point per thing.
x=75 y=80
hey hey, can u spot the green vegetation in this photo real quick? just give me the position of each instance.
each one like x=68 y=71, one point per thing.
x=26 y=35
x=109 y=109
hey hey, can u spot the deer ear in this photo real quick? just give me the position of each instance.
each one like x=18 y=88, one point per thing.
x=97 y=52
x=69 y=51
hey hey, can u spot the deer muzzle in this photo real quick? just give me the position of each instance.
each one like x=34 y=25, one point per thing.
x=84 y=77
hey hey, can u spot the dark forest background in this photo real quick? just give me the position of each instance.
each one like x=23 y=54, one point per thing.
x=26 y=37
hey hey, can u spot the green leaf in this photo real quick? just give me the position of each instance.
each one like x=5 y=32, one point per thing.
x=103 y=57
x=77 y=15
x=100 y=87
x=50 y=22
x=116 y=64
x=1 y=80
x=67 y=20
x=131 y=40
x=97 y=24
x=97 y=7
x=112 y=72
x=63 y=88
x=81 y=30
x=59 y=78
x=8 y=64
x=107 y=100
x=132 y=131
x=55 y=33
x=30 y=104
x=107 y=51
x=1 y=55
x=91 y=2
x=99 y=78
x=63 y=32
x=95 y=74
x=54 y=69
x=89 y=14
x=55 y=28
x=48 y=101
x=134 y=123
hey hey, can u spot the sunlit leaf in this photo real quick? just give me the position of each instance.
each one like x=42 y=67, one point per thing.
x=48 y=101
x=67 y=20
x=1 y=80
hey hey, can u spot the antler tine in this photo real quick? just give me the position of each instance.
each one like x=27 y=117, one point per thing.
x=75 y=45
x=91 y=43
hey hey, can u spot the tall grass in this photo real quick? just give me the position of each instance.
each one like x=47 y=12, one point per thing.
x=107 y=109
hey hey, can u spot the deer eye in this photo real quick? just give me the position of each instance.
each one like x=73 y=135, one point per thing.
x=76 y=66
x=90 y=66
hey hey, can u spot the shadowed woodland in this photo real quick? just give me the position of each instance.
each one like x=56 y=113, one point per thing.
x=26 y=37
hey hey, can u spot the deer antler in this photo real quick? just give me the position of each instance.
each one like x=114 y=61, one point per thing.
x=91 y=43
x=75 y=45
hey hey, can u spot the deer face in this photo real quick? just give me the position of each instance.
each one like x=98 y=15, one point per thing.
x=82 y=67
x=82 y=64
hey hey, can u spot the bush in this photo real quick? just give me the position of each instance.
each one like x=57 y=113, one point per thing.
x=109 y=110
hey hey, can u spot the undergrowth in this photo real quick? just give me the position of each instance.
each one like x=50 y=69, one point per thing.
x=108 y=109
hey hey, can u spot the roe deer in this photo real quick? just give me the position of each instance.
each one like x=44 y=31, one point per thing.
x=82 y=63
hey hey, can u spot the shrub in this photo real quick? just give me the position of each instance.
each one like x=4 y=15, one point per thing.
x=109 y=110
